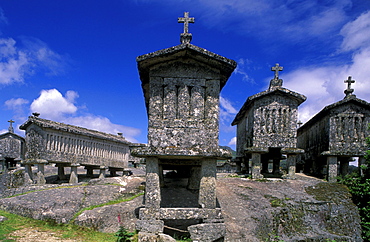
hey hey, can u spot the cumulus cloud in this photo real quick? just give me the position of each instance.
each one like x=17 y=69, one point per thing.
x=51 y=104
x=325 y=84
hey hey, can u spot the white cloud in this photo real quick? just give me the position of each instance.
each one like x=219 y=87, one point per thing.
x=232 y=141
x=227 y=106
x=103 y=124
x=15 y=103
x=14 y=63
x=325 y=84
x=227 y=114
x=18 y=63
x=356 y=33
x=52 y=105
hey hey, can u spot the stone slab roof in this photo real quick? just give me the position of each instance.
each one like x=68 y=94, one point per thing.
x=44 y=123
x=187 y=50
x=274 y=91
x=325 y=111
x=9 y=134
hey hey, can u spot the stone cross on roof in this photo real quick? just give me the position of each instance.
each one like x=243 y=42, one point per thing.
x=11 y=129
x=349 y=90
x=276 y=69
x=186 y=36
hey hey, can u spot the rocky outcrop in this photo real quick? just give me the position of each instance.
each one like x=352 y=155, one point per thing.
x=305 y=209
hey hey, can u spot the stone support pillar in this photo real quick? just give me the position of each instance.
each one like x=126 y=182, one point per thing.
x=361 y=162
x=2 y=165
x=102 y=172
x=113 y=172
x=276 y=166
x=61 y=174
x=291 y=163
x=332 y=168
x=28 y=176
x=238 y=163
x=207 y=188
x=89 y=172
x=152 y=190
x=194 y=179
x=161 y=176
x=74 y=176
x=256 y=166
x=41 y=173
x=344 y=165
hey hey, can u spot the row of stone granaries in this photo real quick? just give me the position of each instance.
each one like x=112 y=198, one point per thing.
x=49 y=142
x=268 y=132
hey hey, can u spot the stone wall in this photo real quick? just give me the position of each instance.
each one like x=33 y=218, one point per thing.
x=275 y=122
x=183 y=110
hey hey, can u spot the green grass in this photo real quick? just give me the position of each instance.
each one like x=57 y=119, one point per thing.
x=66 y=231
x=105 y=204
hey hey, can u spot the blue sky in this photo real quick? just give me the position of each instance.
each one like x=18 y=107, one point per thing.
x=74 y=61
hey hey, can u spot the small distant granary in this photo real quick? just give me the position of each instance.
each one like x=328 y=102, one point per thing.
x=336 y=134
x=267 y=128
x=181 y=87
x=12 y=148
x=72 y=146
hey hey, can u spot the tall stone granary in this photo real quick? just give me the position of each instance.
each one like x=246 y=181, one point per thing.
x=267 y=128
x=181 y=87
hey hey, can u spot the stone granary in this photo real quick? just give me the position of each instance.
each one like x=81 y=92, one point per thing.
x=12 y=148
x=181 y=87
x=336 y=134
x=267 y=128
x=72 y=146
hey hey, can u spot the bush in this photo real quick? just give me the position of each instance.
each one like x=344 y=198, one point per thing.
x=359 y=187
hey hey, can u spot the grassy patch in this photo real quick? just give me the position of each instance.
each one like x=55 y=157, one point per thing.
x=105 y=204
x=66 y=231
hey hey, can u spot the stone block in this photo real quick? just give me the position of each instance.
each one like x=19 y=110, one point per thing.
x=150 y=226
x=207 y=232
x=150 y=237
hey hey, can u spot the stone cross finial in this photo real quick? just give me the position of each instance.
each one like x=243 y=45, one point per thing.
x=349 y=90
x=11 y=129
x=186 y=36
x=276 y=69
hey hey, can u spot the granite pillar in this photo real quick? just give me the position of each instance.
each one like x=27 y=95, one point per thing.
x=256 y=166
x=207 y=189
x=61 y=174
x=74 y=176
x=195 y=177
x=102 y=172
x=332 y=168
x=153 y=190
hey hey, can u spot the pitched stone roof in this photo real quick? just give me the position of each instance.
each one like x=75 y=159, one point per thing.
x=273 y=91
x=349 y=99
x=11 y=134
x=44 y=123
x=187 y=50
